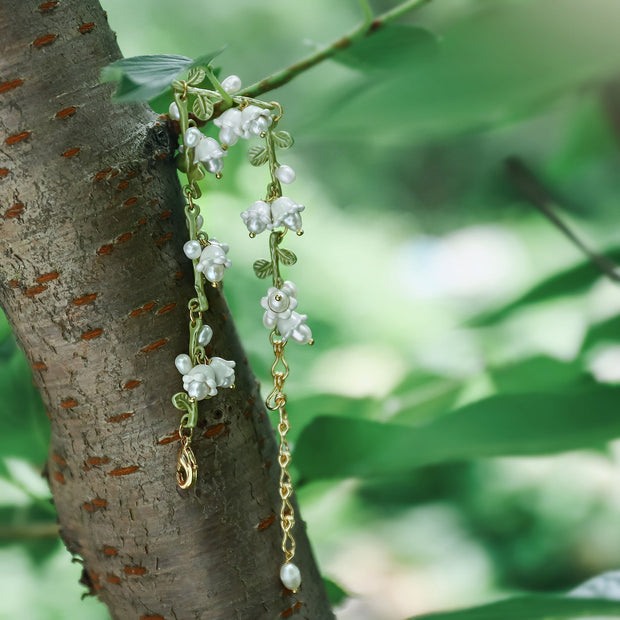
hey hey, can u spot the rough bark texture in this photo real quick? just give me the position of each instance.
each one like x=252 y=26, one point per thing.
x=95 y=285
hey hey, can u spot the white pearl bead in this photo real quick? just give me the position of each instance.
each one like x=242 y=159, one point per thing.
x=192 y=249
x=285 y=174
x=192 y=137
x=214 y=165
x=199 y=222
x=198 y=390
x=261 y=124
x=204 y=335
x=173 y=111
x=183 y=363
x=228 y=136
x=214 y=273
x=231 y=84
x=290 y=576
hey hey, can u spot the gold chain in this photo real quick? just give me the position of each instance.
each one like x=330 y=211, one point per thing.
x=276 y=401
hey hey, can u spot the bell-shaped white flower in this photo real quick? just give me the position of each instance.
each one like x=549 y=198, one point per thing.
x=295 y=328
x=286 y=212
x=200 y=382
x=257 y=217
x=208 y=149
x=224 y=371
x=231 y=126
x=213 y=261
x=255 y=121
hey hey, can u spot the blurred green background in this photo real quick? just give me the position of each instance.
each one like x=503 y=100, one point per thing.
x=461 y=390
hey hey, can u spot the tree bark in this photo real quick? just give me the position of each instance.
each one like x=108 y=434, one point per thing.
x=95 y=286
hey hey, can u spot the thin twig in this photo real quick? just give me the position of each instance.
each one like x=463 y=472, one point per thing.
x=28 y=531
x=365 y=29
x=538 y=195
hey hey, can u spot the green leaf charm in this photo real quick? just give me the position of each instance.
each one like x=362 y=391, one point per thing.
x=287 y=257
x=258 y=155
x=203 y=107
x=262 y=268
x=282 y=139
x=195 y=76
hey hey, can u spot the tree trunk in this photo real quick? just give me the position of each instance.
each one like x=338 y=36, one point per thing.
x=95 y=285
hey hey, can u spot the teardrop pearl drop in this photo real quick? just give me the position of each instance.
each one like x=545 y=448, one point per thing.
x=192 y=249
x=204 y=335
x=183 y=363
x=231 y=84
x=198 y=390
x=173 y=111
x=214 y=166
x=199 y=222
x=285 y=174
x=290 y=576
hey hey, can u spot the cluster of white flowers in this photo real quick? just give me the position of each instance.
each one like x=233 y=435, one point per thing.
x=201 y=381
x=235 y=123
x=263 y=215
x=212 y=261
x=279 y=305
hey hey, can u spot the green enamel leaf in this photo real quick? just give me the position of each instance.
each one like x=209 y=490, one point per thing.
x=195 y=76
x=335 y=593
x=203 y=107
x=287 y=257
x=258 y=155
x=282 y=139
x=262 y=268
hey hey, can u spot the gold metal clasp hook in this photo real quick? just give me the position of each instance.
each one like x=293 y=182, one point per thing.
x=187 y=470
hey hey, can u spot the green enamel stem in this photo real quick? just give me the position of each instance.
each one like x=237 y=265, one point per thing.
x=196 y=350
x=363 y=30
x=273 y=164
x=216 y=84
x=274 y=241
x=184 y=123
x=191 y=215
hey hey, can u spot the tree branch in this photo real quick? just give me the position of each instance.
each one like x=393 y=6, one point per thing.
x=538 y=195
x=365 y=29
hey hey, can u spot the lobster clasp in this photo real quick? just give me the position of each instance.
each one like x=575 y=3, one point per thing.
x=187 y=470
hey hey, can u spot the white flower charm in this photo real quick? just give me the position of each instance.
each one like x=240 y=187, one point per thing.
x=210 y=153
x=258 y=217
x=200 y=382
x=280 y=304
x=224 y=373
x=213 y=260
x=255 y=121
x=230 y=124
x=286 y=212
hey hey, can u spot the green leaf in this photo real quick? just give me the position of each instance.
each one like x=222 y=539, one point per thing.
x=533 y=608
x=605 y=331
x=204 y=60
x=507 y=425
x=203 y=107
x=143 y=77
x=282 y=139
x=258 y=155
x=572 y=281
x=262 y=268
x=391 y=48
x=287 y=257
x=195 y=76
x=335 y=593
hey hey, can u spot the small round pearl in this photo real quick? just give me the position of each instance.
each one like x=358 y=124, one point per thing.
x=192 y=249
x=214 y=166
x=290 y=576
x=285 y=174
x=231 y=84
x=192 y=137
x=261 y=124
x=173 y=111
x=228 y=136
x=198 y=390
x=199 y=222
x=204 y=335
x=183 y=363
x=278 y=302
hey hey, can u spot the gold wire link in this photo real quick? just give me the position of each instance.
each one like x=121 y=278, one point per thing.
x=187 y=469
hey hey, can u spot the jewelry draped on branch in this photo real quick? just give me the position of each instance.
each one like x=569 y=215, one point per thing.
x=202 y=375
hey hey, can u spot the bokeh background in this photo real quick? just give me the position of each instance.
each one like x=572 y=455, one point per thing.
x=431 y=282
